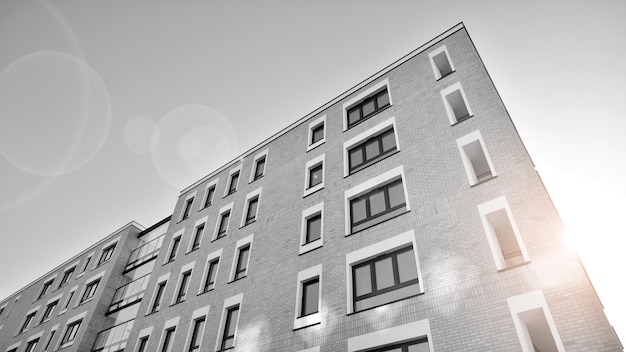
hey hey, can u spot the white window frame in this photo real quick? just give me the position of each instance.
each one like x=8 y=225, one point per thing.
x=92 y=279
x=312 y=319
x=195 y=315
x=106 y=246
x=313 y=125
x=31 y=323
x=206 y=192
x=445 y=92
x=492 y=206
x=362 y=137
x=211 y=257
x=254 y=164
x=67 y=268
x=358 y=190
x=436 y=52
x=527 y=302
x=67 y=303
x=386 y=246
x=319 y=160
x=249 y=197
x=229 y=303
x=50 y=336
x=14 y=346
x=223 y=210
x=177 y=234
x=171 y=323
x=143 y=333
x=238 y=246
x=397 y=334
x=86 y=265
x=230 y=179
x=186 y=268
x=55 y=298
x=49 y=279
x=192 y=196
x=39 y=335
x=306 y=215
x=68 y=323
x=363 y=95
x=161 y=278
x=193 y=233
x=469 y=169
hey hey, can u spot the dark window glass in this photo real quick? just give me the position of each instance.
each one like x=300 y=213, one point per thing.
x=107 y=253
x=377 y=205
x=70 y=333
x=313 y=228
x=86 y=264
x=367 y=107
x=187 y=209
x=49 y=340
x=45 y=288
x=143 y=343
x=442 y=63
x=198 y=327
x=158 y=297
x=420 y=345
x=168 y=340
x=251 y=215
x=197 y=238
x=315 y=175
x=30 y=346
x=27 y=321
x=228 y=339
x=69 y=299
x=90 y=290
x=242 y=262
x=457 y=103
x=317 y=134
x=223 y=224
x=182 y=290
x=210 y=276
x=234 y=179
x=371 y=150
x=174 y=250
x=310 y=297
x=48 y=312
x=260 y=168
x=209 y=197
x=66 y=276
x=386 y=278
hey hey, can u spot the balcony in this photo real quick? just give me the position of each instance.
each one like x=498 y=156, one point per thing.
x=144 y=253
x=129 y=294
x=113 y=339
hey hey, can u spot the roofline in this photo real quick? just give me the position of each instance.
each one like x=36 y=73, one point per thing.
x=341 y=96
x=116 y=232
x=168 y=218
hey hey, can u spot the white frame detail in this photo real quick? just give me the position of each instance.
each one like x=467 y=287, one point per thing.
x=161 y=279
x=319 y=160
x=66 y=269
x=143 y=333
x=229 y=303
x=230 y=179
x=211 y=257
x=361 y=137
x=186 y=268
x=306 y=215
x=168 y=325
x=312 y=319
x=191 y=196
x=106 y=246
x=467 y=163
x=436 y=70
x=50 y=336
x=386 y=246
x=198 y=313
x=193 y=233
x=444 y=94
x=206 y=192
x=89 y=281
x=88 y=259
x=246 y=204
x=254 y=164
x=223 y=210
x=240 y=244
x=67 y=303
x=31 y=322
x=64 y=331
x=168 y=254
x=313 y=125
x=363 y=95
x=396 y=334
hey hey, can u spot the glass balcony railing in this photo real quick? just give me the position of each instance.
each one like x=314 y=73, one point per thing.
x=113 y=339
x=128 y=294
x=144 y=253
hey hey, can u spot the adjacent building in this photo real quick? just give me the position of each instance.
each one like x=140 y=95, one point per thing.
x=403 y=215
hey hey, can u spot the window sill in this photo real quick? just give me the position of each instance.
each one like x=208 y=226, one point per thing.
x=248 y=223
x=305 y=248
x=461 y=120
x=446 y=75
x=367 y=118
x=193 y=250
x=308 y=320
x=256 y=179
x=241 y=278
x=218 y=237
x=513 y=266
x=314 y=189
x=484 y=181
x=315 y=145
x=372 y=162
x=380 y=222
x=384 y=304
x=201 y=209
x=229 y=193
x=177 y=303
x=207 y=291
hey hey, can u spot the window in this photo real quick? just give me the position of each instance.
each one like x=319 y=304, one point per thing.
x=30 y=346
x=456 y=104
x=90 y=291
x=197 y=237
x=412 y=337
x=308 y=298
x=441 y=62
x=233 y=180
x=158 y=296
x=143 y=344
x=314 y=175
x=382 y=273
x=69 y=299
x=227 y=332
x=368 y=106
x=209 y=281
x=210 y=194
x=312 y=232
x=67 y=275
x=2 y=308
x=258 y=166
x=70 y=333
x=241 y=258
x=186 y=208
x=503 y=236
x=27 y=320
x=372 y=149
x=221 y=227
x=49 y=341
x=174 y=246
x=168 y=340
x=47 y=314
x=376 y=200
x=475 y=158
x=107 y=253
x=196 y=335
x=534 y=324
x=183 y=285
x=317 y=133
x=45 y=288
x=251 y=207
x=87 y=262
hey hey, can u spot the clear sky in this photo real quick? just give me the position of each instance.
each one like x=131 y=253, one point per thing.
x=108 y=109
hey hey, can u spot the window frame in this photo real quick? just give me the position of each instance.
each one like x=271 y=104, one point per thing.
x=48 y=312
x=307 y=214
x=144 y=335
x=262 y=156
x=304 y=277
x=89 y=291
x=197 y=237
x=29 y=317
x=45 y=288
x=228 y=190
x=371 y=252
x=156 y=301
x=244 y=243
x=310 y=165
x=183 y=283
x=363 y=138
x=66 y=340
x=449 y=111
x=315 y=124
x=466 y=140
x=207 y=192
x=369 y=186
x=361 y=97
x=107 y=254
x=67 y=275
x=436 y=70
x=215 y=256
x=68 y=300
x=50 y=336
x=250 y=197
x=229 y=303
x=174 y=247
x=166 y=340
x=382 y=338
x=197 y=315
x=32 y=343
x=86 y=265
x=217 y=234
x=185 y=211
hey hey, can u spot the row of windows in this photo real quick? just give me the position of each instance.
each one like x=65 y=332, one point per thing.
x=67 y=338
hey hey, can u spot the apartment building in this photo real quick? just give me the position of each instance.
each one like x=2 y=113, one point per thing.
x=403 y=215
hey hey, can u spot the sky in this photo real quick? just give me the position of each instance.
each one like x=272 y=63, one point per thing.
x=108 y=109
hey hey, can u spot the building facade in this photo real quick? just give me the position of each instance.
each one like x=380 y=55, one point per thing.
x=403 y=215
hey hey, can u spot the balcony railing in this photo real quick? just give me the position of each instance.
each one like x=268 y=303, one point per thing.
x=144 y=253
x=128 y=294
x=113 y=339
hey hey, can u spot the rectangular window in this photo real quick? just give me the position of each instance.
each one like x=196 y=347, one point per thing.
x=27 y=320
x=259 y=169
x=411 y=337
x=67 y=275
x=377 y=205
x=86 y=266
x=90 y=291
x=224 y=219
x=367 y=107
x=228 y=337
x=69 y=299
x=197 y=237
x=308 y=298
x=50 y=337
x=182 y=289
x=209 y=282
x=174 y=248
x=196 y=335
x=456 y=104
x=143 y=344
x=47 y=314
x=441 y=62
x=313 y=228
x=258 y=166
x=534 y=324
x=106 y=255
x=242 y=262
x=234 y=180
x=186 y=209
x=30 y=346
x=158 y=297
x=371 y=150
x=475 y=157
x=70 y=333
x=252 y=207
x=317 y=133
x=312 y=232
x=314 y=175
x=45 y=288
x=210 y=193
x=168 y=340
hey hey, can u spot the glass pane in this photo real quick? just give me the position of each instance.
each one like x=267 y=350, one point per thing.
x=314 y=227
x=382 y=99
x=396 y=195
x=228 y=343
x=368 y=107
x=372 y=149
x=318 y=133
x=243 y=259
x=358 y=210
x=356 y=157
x=354 y=115
x=389 y=141
x=259 y=168
x=315 y=177
x=232 y=320
x=252 y=209
x=384 y=273
x=311 y=293
x=363 y=280
x=420 y=347
x=406 y=266
x=377 y=202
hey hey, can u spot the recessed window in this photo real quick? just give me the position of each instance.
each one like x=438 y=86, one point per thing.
x=209 y=281
x=186 y=208
x=69 y=299
x=317 y=133
x=502 y=233
x=366 y=104
x=158 y=296
x=90 y=291
x=45 y=288
x=233 y=181
x=251 y=207
x=308 y=297
x=258 y=166
x=50 y=337
x=168 y=339
x=382 y=273
x=314 y=175
x=67 y=275
x=376 y=200
x=227 y=332
x=475 y=157
x=241 y=258
x=107 y=253
x=70 y=333
x=196 y=335
x=86 y=265
x=174 y=247
x=411 y=337
x=27 y=320
x=209 y=194
x=47 y=314
x=456 y=104
x=30 y=346
x=534 y=324
x=370 y=146
x=312 y=233
x=197 y=236
x=441 y=62
x=143 y=344
x=251 y=213
x=183 y=286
